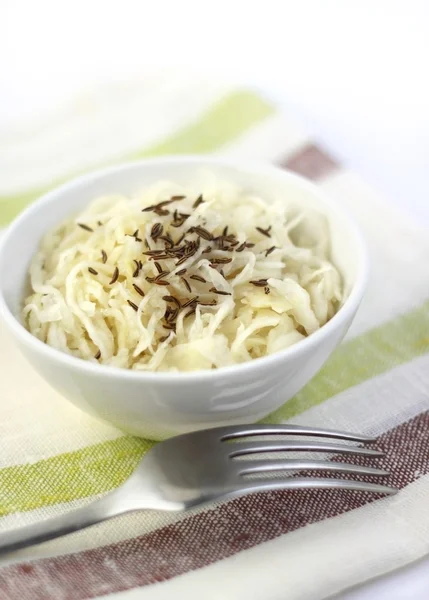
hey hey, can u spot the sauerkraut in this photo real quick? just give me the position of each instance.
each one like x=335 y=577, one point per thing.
x=182 y=278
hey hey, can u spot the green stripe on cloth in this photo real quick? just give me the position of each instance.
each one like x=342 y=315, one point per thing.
x=366 y=356
x=60 y=478
x=222 y=123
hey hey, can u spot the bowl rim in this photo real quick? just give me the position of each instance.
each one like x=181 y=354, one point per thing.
x=346 y=310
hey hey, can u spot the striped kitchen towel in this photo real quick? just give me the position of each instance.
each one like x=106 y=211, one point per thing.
x=295 y=545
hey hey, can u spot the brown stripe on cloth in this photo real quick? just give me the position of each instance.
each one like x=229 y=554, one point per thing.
x=311 y=162
x=202 y=539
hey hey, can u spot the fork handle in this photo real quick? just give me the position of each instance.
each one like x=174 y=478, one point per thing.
x=101 y=510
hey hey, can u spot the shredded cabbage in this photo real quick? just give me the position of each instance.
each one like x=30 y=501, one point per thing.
x=180 y=279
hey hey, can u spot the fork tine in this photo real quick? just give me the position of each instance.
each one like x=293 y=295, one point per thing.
x=237 y=431
x=296 y=483
x=261 y=466
x=241 y=449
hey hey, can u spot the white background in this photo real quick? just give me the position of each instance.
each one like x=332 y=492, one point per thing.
x=354 y=72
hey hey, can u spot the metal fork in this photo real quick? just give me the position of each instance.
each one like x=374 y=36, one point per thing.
x=197 y=468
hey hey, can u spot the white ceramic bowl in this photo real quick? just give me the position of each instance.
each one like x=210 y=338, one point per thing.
x=158 y=405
